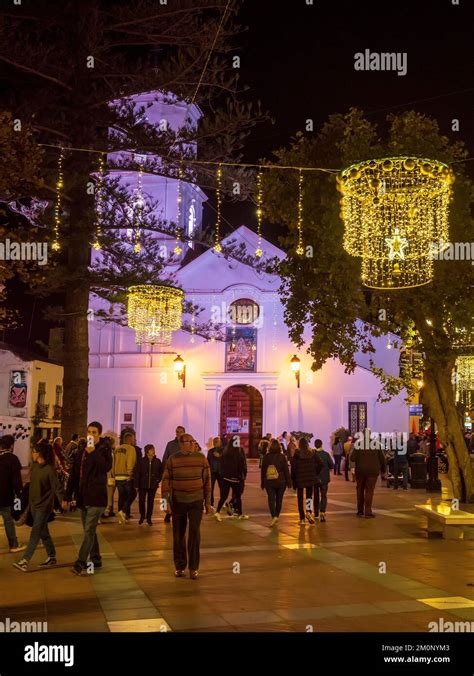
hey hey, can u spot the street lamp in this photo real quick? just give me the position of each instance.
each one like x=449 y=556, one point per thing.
x=180 y=368
x=296 y=365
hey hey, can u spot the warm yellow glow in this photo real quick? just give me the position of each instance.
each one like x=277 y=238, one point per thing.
x=154 y=312
x=295 y=364
x=464 y=377
x=420 y=383
x=178 y=364
x=394 y=210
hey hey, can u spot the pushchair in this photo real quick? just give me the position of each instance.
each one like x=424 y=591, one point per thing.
x=391 y=472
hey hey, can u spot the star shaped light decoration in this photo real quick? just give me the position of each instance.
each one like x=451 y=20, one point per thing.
x=396 y=245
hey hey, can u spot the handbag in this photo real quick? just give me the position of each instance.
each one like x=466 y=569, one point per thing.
x=29 y=517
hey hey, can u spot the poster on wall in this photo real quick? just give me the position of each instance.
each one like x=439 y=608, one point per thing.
x=18 y=390
x=241 y=350
x=237 y=425
x=232 y=425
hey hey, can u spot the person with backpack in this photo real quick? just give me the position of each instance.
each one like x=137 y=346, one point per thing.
x=322 y=482
x=305 y=468
x=234 y=473
x=275 y=478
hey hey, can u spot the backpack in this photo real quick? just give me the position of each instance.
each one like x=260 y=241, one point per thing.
x=272 y=472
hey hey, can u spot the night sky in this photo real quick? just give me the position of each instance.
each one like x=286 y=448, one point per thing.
x=298 y=60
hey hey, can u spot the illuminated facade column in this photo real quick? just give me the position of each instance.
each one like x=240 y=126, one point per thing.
x=269 y=393
x=211 y=410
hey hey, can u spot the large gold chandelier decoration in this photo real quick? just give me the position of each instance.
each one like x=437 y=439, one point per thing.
x=394 y=211
x=154 y=312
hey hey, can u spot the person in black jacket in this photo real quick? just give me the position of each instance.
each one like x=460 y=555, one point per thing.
x=305 y=467
x=275 y=477
x=214 y=456
x=88 y=482
x=10 y=487
x=147 y=480
x=234 y=473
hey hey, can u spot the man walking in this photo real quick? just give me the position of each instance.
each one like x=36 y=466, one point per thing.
x=10 y=487
x=123 y=470
x=172 y=447
x=369 y=463
x=186 y=486
x=88 y=482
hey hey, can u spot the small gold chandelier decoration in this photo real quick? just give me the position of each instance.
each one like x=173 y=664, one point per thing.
x=464 y=378
x=394 y=211
x=154 y=312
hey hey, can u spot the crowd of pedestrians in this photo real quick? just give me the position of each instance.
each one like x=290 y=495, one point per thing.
x=86 y=473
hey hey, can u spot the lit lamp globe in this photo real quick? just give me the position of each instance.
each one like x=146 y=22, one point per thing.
x=295 y=364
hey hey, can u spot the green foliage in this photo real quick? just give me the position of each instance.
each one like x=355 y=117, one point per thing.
x=326 y=308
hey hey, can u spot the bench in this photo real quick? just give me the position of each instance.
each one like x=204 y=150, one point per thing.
x=453 y=524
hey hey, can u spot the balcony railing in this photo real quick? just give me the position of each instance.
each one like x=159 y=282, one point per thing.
x=57 y=412
x=42 y=411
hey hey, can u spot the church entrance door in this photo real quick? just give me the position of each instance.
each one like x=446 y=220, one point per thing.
x=241 y=414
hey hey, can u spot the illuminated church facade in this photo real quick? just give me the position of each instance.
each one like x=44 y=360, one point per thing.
x=244 y=384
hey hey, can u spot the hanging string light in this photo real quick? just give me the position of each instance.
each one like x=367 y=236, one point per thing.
x=178 y=248
x=299 y=248
x=259 y=198
x=99 y=204
x=138 y=209
x=56 y=246
x=193 y=321
x=154 y=312
x=217 y=234
x=394 y=211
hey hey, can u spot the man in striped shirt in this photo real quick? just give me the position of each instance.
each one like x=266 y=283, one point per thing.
x=186 y=485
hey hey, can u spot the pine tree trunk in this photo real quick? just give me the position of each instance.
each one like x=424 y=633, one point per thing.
x=76 y=363
x=76 y=331
x=439 y=396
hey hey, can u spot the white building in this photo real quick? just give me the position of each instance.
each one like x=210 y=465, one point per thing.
x=244 y=384
x=251 y=388
x=31 y=390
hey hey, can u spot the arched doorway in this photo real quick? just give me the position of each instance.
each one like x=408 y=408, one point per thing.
x=241 y=413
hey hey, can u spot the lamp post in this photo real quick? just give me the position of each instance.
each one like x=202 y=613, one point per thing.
x=180 y=368
x=296 y=365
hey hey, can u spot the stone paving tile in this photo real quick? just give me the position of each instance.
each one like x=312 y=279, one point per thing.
x=285 y=583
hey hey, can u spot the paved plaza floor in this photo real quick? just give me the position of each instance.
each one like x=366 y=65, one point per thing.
x=347 y=574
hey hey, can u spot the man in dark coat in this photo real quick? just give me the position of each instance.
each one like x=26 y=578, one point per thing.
x=10 y=487
x=369 y=462
x=88 y=483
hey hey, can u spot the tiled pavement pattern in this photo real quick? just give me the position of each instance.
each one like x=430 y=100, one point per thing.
x=325 y=577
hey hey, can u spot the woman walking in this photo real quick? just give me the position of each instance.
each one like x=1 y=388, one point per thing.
x=275 y=477
x=305 y=467
x=234 y=473
x=147 y=479
x=322 y=483
x=337 y=452
x=44 y=487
